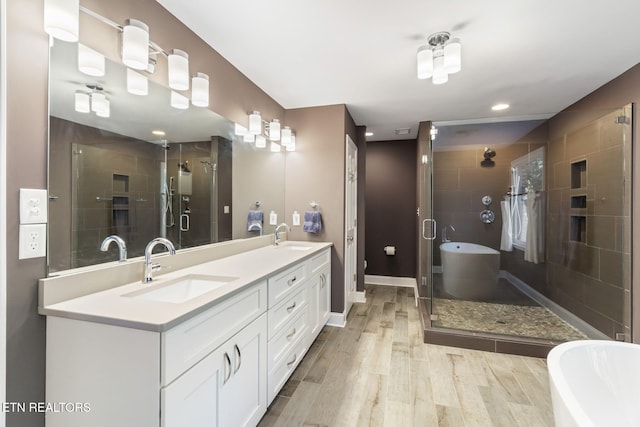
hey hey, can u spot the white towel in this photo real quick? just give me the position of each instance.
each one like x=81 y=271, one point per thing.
x=534 y=249
x=506 y=242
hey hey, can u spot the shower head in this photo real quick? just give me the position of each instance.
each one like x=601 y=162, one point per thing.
x=489 y=153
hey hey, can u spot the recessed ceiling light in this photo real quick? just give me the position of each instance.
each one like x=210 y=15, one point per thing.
x=403 y=131
x=368 y=134
x=158 y=132
x=499 y=107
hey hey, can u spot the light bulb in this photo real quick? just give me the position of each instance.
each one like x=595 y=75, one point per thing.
x=179 y=101
x=425 y=62
x=274 y=130
x=200 y=90
x=285 y=136
x=62 y=19
x=178 y=69
x=261 y=141
x=90 y=62
x=137 y=84
x=135 y=44
x=452 y=56
x=292 y=145
x=255 y=123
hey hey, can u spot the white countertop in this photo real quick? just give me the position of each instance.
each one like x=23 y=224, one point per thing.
x=113 y=307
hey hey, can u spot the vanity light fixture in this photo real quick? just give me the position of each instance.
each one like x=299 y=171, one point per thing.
x=285 y=136
x=178 y=69
x=292 y=145
x=90 y=62
x=135 y=44
x=82 y=102
x=261 y=141
x=275 y=147
x=441 y=56
x=137 y=84
x=274 y=130
x=61 y=19
x=200 y=90
x=248 y=137
x=255 y=123
x=240 y=130
x=179 y=101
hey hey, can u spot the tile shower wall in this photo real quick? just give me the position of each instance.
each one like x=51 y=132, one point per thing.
x=589 y=223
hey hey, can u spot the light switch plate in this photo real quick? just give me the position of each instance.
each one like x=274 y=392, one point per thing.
x=33 y=241
x=33 y=206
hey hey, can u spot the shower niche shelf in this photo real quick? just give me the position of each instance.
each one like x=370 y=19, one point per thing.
x=579 y=174
x=579 y=201
x=578 y=231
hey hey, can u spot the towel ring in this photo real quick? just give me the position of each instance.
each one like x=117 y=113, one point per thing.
x=313 y=205
x=257 y=204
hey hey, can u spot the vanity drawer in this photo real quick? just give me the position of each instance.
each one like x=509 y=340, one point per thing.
x=280 y=344
x=319 y=261
x=284 y=283
x=282 y=371
x=286 y=310
x=190 y=341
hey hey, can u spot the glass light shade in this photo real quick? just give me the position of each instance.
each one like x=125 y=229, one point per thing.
x=240 y=130
x=255 y=123
x=261 y=141
x=248 y=137
x=452 y=56
x=292 y=145
x=62 y=19
x=98 y=102
x=82 y=102
x=179 y=101
x=178 y=69
x=275 y=147
x=90 y=62
x=440 y=75
x=285 y=136
x=135 y=44
x=200 y=90
x=425 y=62
x=106 y=109
x=274 y=130
x=137 y=84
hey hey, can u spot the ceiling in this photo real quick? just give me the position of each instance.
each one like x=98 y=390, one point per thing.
x=538 y=56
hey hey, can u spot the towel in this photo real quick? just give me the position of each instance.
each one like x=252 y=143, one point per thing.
x=312 y=222
x=254 y=217
x=506 y=242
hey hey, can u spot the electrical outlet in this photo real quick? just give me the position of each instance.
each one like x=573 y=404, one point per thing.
x=33 y=206
x=33 y=241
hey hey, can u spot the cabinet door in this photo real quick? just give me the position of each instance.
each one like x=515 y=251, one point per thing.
x=314 y=306
x=192 y=399
x=243 y=387
x=324 y=296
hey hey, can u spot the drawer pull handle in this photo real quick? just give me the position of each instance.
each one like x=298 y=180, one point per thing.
x=291 y=307
x=291 y=334
x=295 y=357
x=292 y=281
x=227 y=368
x=323 y=280
x=238 y=359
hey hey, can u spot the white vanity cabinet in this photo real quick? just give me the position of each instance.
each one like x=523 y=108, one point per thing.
x=320 y=291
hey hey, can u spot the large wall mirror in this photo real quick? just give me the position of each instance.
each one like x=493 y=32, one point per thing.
x=146 y=170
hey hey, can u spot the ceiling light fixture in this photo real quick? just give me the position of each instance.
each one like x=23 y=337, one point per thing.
x=61 y=19
x=105 y=109
x=200 y=90
x=135 y=44
x=82 y=102
x=441 y=56
x=368 y=134
x=274 y=130
x=178 y=69
x=90 y=62
x=158 y=132
x=500 y=106
x=137 y=84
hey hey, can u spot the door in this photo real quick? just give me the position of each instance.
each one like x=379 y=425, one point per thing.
x=426 y=224
x=351 y=207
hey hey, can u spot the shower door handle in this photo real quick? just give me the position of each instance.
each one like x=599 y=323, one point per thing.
x=433 y=229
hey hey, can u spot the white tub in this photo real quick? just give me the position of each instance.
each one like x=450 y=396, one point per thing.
x=469 y=271
x=595 y=383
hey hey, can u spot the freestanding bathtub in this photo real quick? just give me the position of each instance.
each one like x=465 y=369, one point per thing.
x=595 y=383
x=469 y=271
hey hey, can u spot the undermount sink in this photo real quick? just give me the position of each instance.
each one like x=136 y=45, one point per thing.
x=297 y=247
x=182 y=289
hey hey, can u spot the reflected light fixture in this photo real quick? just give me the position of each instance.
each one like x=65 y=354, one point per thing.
x=90 y=62
x=62 y=19
x=200 y=90
x=248 y=137
x=137 y=84
x=441 y=56
x=98 y=102
x=178 y=69
x=274 y=130
x=179 y=101
x=275 y=147
x=240 y=130
x=292 y=145
x=105 y=109
x=135 y=44
x=261 y=141
x=285 y=136
x=82 y=102
x=255 y=123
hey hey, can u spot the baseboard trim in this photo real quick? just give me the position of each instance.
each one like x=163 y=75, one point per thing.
x=337 y=319
x=359 y=296
x=405 y=282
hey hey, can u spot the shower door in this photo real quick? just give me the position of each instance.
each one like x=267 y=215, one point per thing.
x=426 y=224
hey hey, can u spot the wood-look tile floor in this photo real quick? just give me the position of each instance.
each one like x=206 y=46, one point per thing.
x=377 y=372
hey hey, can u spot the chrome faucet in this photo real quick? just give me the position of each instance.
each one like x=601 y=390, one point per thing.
x=444 y=232
x=150 y=267
x=276 y=235
x=122 y=246
x=256 y=225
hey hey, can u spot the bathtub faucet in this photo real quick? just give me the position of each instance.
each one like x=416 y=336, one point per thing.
x=444 y=232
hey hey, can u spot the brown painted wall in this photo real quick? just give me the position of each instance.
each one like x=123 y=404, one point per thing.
x=391 y=203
